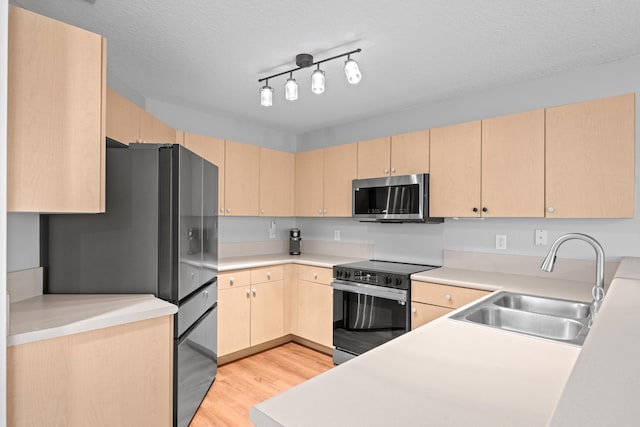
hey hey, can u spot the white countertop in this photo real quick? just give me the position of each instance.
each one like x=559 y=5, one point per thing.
x=54 y=315
x=254 y=261
x=459 y=374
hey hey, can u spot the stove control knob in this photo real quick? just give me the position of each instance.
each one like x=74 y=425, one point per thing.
x=347 y=274
x=338 y=273
x=398 y=281
x=388 y=280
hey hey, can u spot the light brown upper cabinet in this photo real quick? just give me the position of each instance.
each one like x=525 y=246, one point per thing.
x=590 y=159
x=242 y=179
x=56 y=116
x=122 y=118
x=211 y=149
x=513 y=165
x=455 y=173
x=126 y=123
x=154 y=130
x=276 y=182
x=340 y=169
x=323 y=181
x=403 y=154
x=309 y=185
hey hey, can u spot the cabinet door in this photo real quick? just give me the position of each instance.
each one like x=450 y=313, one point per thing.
x=454 y=179
x=425 y=313
x=122 y=118
x=309 y=183
x=276 y=182
x=234 y=314
x=590 y=159
x=242 y=174
x=154 y=130
x=55 y=116
x=211 y=149
x=513 y=165
x=340 y=169
x=267 y=311
x=315 y=312
x=410 y=153
x=374 y=158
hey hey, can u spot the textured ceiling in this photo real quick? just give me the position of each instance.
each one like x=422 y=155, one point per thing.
x=209 y=55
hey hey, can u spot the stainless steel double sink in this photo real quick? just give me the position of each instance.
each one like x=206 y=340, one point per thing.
x=551 y=318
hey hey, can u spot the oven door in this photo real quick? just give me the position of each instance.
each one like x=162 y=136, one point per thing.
x=365 y=316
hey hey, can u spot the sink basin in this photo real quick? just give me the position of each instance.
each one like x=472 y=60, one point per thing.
x=549 y=318
x=550 y=306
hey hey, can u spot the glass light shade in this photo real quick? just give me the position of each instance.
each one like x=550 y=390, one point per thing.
x=352 y=71
x=266 y=96
x=291 y=89
x=317 y=81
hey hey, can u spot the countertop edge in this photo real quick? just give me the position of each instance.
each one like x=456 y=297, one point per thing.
x=152 y=308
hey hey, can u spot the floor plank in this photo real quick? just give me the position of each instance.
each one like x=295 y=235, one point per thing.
x=241 y=384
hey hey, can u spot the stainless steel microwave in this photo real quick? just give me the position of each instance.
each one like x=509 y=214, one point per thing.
x=392 y=199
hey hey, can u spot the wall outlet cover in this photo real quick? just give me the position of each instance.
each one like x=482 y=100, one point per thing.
x=501 y=241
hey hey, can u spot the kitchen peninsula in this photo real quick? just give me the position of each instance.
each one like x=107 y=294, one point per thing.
x=452 y=373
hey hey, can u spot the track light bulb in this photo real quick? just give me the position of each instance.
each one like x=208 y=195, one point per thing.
x=352 y=71
x=317 y=81
x=266 y=95
x=291 y=89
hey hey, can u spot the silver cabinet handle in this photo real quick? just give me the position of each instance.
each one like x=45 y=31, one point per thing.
x=248 y=293
x=228 y=210
x=393 y=170
x=319 y=211
x=447 y=297
x=221 y=210
x=254 y=292
x=261 y=211
x=550 y=209
x=324 y=211
x=315 y=275
x=268 y=275
x=386 y=170
x=205 y=294
x=414 y=310
x=231 y=280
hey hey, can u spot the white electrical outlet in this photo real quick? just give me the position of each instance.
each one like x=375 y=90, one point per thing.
x=541 y=238
x=501 y=241
x=336 y=234
x=272 y=230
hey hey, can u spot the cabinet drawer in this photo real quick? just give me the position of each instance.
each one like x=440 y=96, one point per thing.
x=267 y=274
x=234 y=279
x=444 y=295
x=315 y=274
x=425 y=313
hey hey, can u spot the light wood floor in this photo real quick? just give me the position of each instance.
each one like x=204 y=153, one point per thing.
x=241 y=384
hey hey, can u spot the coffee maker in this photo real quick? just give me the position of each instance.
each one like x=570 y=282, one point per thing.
x=294 y=241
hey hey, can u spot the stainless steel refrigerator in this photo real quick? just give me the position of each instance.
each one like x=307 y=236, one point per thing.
x=159 y=236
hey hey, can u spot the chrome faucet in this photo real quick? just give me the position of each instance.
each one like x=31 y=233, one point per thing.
x=598 y=290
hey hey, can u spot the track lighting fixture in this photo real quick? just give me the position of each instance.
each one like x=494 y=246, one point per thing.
x=317 y=81
x=266 y=95
x=291 y=88
x=352 y=71
x=304 y=60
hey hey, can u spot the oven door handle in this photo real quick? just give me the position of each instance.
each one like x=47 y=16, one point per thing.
x=376 y=291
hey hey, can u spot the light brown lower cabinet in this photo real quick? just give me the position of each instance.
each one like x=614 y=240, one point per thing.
x=425 y=313
x=117 y=376
x=250 y=308
x=315 y=312
x=432 y=300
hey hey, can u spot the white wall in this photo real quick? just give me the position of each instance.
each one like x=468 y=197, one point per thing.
x=23 y=241
x=220 y=126
x=423 y=242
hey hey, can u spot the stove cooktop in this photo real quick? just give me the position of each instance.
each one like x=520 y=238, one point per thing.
x=382 y=273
